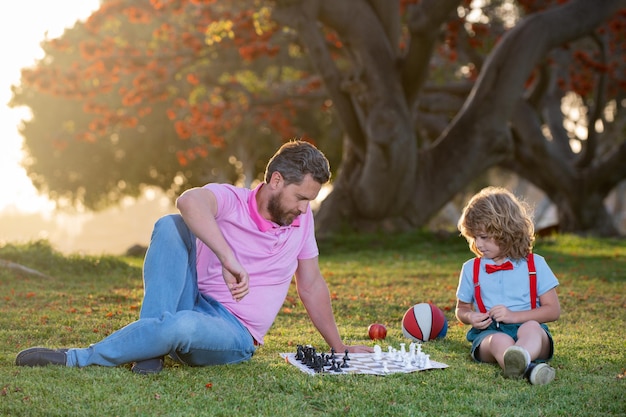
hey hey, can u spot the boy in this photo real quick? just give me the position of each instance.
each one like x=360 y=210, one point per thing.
x=499 y=295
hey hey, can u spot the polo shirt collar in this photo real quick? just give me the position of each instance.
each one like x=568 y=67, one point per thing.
x=262 y=223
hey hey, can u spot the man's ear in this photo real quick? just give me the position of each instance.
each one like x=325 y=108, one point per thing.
x=276 y=179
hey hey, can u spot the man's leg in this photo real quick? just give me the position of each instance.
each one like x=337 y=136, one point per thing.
x=170 y=285
x=215 y=337
x=169 y=278
x=209 y=336
x=169 y=270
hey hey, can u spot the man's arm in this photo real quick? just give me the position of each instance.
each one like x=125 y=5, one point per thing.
x=198 y=207
x=315 y=296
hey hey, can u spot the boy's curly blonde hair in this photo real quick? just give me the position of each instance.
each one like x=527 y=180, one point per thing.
x=497 y=213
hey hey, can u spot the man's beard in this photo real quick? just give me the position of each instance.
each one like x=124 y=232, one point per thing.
x=277 y=213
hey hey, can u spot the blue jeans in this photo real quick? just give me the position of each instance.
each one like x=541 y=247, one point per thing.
x=175 y=318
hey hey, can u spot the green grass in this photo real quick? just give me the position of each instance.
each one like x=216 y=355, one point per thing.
x=372 y=279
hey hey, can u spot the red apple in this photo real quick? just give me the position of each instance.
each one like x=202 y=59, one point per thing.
x=377 y=331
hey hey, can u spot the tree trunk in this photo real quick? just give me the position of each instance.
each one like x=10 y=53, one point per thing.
x=385 y=181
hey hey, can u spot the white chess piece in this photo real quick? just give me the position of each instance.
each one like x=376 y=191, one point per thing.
x=427 y=363
x=407 y=362
x=378 y=353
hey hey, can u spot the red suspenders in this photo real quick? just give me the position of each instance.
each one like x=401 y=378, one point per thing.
x=532 y=276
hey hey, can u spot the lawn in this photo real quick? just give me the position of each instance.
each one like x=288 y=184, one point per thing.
x=79 y=300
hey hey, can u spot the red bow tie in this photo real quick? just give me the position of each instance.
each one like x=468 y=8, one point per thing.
x=502 y=267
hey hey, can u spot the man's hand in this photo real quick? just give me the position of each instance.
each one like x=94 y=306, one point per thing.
x=355 y=349
x=237 y=280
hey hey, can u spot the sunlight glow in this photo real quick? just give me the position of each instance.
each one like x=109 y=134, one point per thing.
x=22 y=29
x=575 y=121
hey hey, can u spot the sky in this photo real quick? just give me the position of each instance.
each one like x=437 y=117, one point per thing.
x=22 y=29
x=24 y=215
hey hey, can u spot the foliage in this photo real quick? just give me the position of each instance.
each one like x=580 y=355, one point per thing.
x=374 y=278
x=171 y=94
x=425 y=95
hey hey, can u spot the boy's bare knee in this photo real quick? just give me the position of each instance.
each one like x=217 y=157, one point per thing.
x=531 y=325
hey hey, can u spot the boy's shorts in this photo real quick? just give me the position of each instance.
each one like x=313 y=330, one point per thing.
x=476 y=336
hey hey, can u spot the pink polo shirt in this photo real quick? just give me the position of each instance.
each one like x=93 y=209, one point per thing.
x=269 y=253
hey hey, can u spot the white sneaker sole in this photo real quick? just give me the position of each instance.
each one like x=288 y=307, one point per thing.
x=515 y=362
x=542 y=374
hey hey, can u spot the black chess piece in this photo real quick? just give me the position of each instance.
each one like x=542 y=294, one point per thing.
x=326 y=361
x=318 y=366
x=299 y=353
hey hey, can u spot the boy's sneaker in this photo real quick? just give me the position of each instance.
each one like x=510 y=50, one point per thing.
x=516 y=360
x=541 y=374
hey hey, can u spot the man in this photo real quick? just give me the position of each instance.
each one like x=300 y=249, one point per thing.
x=216 y=276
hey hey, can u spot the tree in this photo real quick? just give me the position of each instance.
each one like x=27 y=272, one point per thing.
x=429 y=94
x=386 y=175
x=146 y=95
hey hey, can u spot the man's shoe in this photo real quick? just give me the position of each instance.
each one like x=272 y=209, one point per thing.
x=39 y=356
x=148 y=367
x=541 y=374
x=516 y=360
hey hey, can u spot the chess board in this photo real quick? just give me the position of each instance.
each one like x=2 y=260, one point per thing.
x=364 y=363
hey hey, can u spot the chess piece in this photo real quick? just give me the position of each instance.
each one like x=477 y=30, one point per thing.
x=378 y=353
x=299 y=353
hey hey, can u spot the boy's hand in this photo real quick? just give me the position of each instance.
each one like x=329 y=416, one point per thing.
x=501 y=314
x=480 y=320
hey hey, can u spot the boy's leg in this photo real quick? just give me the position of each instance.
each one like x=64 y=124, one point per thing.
x=493 y=346
x=500 y=347
x=532 y=337
x=536 y=340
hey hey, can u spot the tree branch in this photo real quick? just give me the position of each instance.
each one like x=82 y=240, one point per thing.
x=536 y=158
x=425 y=20
x=303 y=17
x=388 y=13
x=610 y=171
x=479 y=136
x=591 y=144
x=551 y=104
